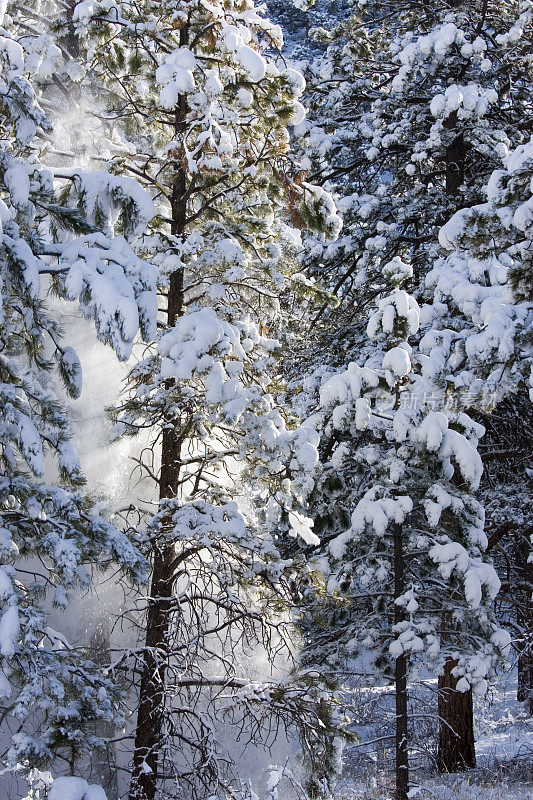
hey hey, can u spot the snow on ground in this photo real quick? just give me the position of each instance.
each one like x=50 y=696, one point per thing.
x=450 y=787
x=504 y=748
x=504 y=731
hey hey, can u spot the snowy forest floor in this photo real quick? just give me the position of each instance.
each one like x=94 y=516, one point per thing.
x=504 y=748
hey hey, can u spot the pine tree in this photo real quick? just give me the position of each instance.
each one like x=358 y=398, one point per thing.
x=412 y=108
x=52 y=536
x=482 y=289
x=205 y=110
x=409 y=568
x=482 y=318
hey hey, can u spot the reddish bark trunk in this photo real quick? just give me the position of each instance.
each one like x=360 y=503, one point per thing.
x=456 y=750
x=151 y=711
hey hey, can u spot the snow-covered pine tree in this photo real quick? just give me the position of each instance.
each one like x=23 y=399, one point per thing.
x=480 y=324
x=51 y=534
x=412 y=107
x=205 y=110
x=482 y=292
x=414 y=587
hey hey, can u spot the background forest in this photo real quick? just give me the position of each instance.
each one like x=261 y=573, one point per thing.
x=266 y=383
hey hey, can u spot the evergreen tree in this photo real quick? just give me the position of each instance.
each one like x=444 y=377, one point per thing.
x=409 y=568
x=205 y=109
x=481 y=310
x=51 y=534
x=412 y=108
x=481 y=321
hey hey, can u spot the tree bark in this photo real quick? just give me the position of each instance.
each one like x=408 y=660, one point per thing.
x=455 y=164
x=400 y=676
x=72 y=40
x=525 y=680
x=456 y=748
x=456 y=751
x=524 y=618
x=149 y=737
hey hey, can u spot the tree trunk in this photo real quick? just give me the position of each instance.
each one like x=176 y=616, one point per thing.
x=456 y=750
x=455 y=164
x=149 y=737
x=72 y=40
x=525 y=679
x=524 y=617
x=150 y=715
x=400 y=677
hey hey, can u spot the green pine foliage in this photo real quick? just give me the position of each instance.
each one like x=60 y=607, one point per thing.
x=52 y=537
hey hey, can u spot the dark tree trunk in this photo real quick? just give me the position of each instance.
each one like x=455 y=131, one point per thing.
x=400 y=677
x=524 y=618
x=72 y=40
x=149 y=737
x=525 y=679
x=455 y=164
x=456 y=747
x=456 y=751
x=150 y=715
